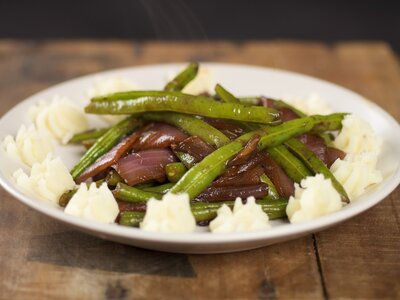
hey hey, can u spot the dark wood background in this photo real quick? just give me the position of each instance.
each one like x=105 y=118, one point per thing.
x=41 y=258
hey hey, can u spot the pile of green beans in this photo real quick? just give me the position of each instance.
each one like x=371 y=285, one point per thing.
x=189 y=113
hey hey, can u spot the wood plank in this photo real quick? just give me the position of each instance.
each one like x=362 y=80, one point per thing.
x=361 y=258
x=35 y=267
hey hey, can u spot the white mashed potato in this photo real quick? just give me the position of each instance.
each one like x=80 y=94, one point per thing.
x=93 y=203
x=30 y=145
x=171 y=214
x=60 y=118
x=244 y=217
x=47 y=180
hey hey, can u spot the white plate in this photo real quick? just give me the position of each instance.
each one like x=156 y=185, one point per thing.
x=242 y=80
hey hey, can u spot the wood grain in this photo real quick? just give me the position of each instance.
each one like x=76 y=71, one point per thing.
x=41 y=258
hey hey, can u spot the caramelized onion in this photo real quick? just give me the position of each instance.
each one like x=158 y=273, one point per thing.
x=284 y=185
x=232 y=192
x=105 y=161
x=247 y=178
x=194 y=146
x=333 y=154
x=144 y=166
x=159 y=135
x=246 y=152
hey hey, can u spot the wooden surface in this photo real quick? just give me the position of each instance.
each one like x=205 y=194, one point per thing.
x=41 y=258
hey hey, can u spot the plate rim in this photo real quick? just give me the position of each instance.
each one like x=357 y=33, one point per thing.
x=281 y=231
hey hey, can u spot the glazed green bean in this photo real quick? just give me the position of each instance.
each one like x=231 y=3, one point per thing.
x=92 y=134
x=292 y=166
x=282 y=104
x=227 y=97
x=162 y=189
x=203 y=211
x=190 y=125
x=272 y=192
x=65 y=197
x=113 y=178
x=213 y=165
x=183 y=78
x=145 y=101
x=315 y=164
x=104 y=144
x=175 y=171
x=131 y=194
x=188 y=160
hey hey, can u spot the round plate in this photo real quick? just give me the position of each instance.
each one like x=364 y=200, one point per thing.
x=241 y=80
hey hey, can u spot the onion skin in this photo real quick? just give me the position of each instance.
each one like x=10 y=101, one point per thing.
x=108 y=159
x=144 y=166
x=195 y=147
x=246 y=153
x=282 y=182
x=158 y=136
x=250 y=177
x=232 y=192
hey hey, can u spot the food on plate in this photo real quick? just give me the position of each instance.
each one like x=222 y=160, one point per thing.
x=356 y=172
x=243 y=217
x=180 y=157
x=60 y=118
x=170 y=214
x=30 y=145
x=47 y=180
x=314 y=197
x=93 y=203
x=107 y=85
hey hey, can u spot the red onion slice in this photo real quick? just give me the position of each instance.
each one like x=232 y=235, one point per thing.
x=159 y=135
x=105 y=161
x=232 y=192
x=144 y=166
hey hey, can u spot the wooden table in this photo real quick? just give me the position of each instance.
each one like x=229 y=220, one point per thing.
x=40 y=257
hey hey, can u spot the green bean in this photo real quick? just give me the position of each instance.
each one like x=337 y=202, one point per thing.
x=188 y=160
x=66 y=197
x=227 y=97
x=144 y=101
x=213 y=165
x=190 y=125
x=292 y=166
x=113 y=178
x=104 y=144
x=92 y=134
x=249 y=100
x=203 y=211
x=315 y=164
x=282 y=104
x=131 y=194
x=175 y=171
x=183 y=78
x=162 y=189
x=272 y=192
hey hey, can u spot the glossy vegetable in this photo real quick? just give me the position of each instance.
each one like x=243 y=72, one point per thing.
x=175 y=171
x=190 y=125
x=183 y=78
x=105 y=143
x=87 y=135
x=315 y=164
x=131 y=194
x=201 y=175
x=293 y=167
x=145 y=101
x=207 y=211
